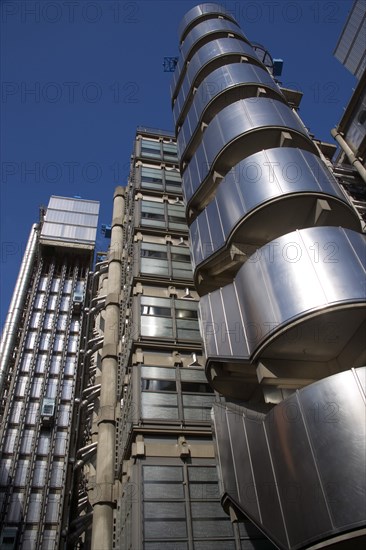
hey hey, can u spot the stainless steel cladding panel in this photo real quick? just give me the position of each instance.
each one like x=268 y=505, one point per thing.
x=232 y=78
x=269 y=194
x=307 y=453
x=232 y=123
x=199 y=65
x=311 y=271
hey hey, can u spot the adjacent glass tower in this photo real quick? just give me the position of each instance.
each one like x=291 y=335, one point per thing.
x=279 y=264
x=40 y=375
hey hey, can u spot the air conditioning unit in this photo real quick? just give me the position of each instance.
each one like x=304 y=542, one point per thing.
x=8 y=538
x=48 y=410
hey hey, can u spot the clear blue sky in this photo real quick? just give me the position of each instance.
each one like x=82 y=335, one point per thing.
x=95 y=68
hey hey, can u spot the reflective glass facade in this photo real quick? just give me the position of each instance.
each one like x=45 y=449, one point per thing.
x=42 y=377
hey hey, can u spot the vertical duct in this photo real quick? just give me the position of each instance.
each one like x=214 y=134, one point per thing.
x=102 y=536
x=16 y=305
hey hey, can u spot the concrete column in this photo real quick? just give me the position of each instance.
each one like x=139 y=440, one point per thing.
x=102 y=532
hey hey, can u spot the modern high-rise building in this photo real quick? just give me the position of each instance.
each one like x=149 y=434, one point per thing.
x=41 y=375
x=351 y=46
x=151 y=475
x=202 y=388
x=279 y=264
x=350 y=133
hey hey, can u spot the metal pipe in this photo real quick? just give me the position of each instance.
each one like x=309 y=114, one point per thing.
x=349 y=153
x=84 y=451
x=89 y=390
x=16 y=304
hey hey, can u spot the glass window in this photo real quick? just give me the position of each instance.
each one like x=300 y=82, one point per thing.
x=44 y=442
x=176 y=216
x=21 y=473
x=67 y=388
x=56 y=361
x=52 y=510
x=159 y=405
x=152 y=178
x=70 y=365
x=33 y=515
x=150 y=148
x=10 y=438
x=57 y=474
x=31 y=340
x=196 y=387
x=52 y=302
x=16 y=411
x=170 y=151
x=48 y=321
x=5 y=465
x=21 y=386
x=62 y=321
x=155 y=306
x=64 y=416
x=165 y=517
x=55 y=285
x=43 y=283
x=158 y=372
x=154 y=259
x=27 y=441
x=26 y=362
x=36 y=318
x=39 y=474
x=73 y=343
x=158 y=385
x=152 y=213
x=32 y=413
x=210 y=520
x=36 y=387
x=41 y=363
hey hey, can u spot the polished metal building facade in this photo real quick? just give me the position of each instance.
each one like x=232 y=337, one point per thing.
x=279 y=263
x=40 y=376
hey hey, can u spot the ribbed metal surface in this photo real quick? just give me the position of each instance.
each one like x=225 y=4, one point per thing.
x=324 y=267
x=350 y=50
x=205 y=60
x=206 y=10
x=265 y=196
x=302 y=466
x=243 y=120
x=198 y=36
x=223 y=86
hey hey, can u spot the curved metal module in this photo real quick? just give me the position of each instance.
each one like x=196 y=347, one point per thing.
x=306 y=307
x=238 y=131
x=219 y=89
x=267 y=195
x=279 y=263
x=204 y=32
x=215 y=54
